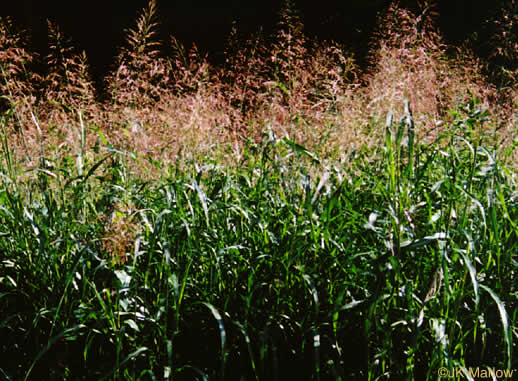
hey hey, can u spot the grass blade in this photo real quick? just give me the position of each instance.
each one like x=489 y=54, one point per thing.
x=505 y=323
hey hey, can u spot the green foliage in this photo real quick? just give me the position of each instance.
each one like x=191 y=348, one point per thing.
x=281 y=268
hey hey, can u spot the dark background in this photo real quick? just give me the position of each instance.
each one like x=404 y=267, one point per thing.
x=98 y=26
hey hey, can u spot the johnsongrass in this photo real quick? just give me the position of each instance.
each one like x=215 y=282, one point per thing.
x=279 y=268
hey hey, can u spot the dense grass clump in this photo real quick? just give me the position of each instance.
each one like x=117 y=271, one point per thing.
x=165 y=100
x=266 y=219
x=281 y=267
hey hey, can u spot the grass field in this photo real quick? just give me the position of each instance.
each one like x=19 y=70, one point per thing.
x=325 y=224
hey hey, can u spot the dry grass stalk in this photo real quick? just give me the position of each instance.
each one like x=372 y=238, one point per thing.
x=409 y=62
x=245 y=71
x=68 y=85
x=18 y=84
x=142 y=76
x=504 y=38
x=311 y=91
x=121 y=231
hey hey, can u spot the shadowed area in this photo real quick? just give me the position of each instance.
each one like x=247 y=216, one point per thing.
x=97 y=26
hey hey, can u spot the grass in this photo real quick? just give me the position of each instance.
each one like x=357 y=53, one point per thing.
x=285 y=216
x=282 y=267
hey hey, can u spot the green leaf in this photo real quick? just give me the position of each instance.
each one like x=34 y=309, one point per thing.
x=505 y=322
x=222 y=334
x=283 y=88
x=129 y=357
x=472 y=274
x=301 y=149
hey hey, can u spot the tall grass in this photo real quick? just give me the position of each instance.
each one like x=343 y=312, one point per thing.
x=285 y=216
x=164 y=99
x=282 y=267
